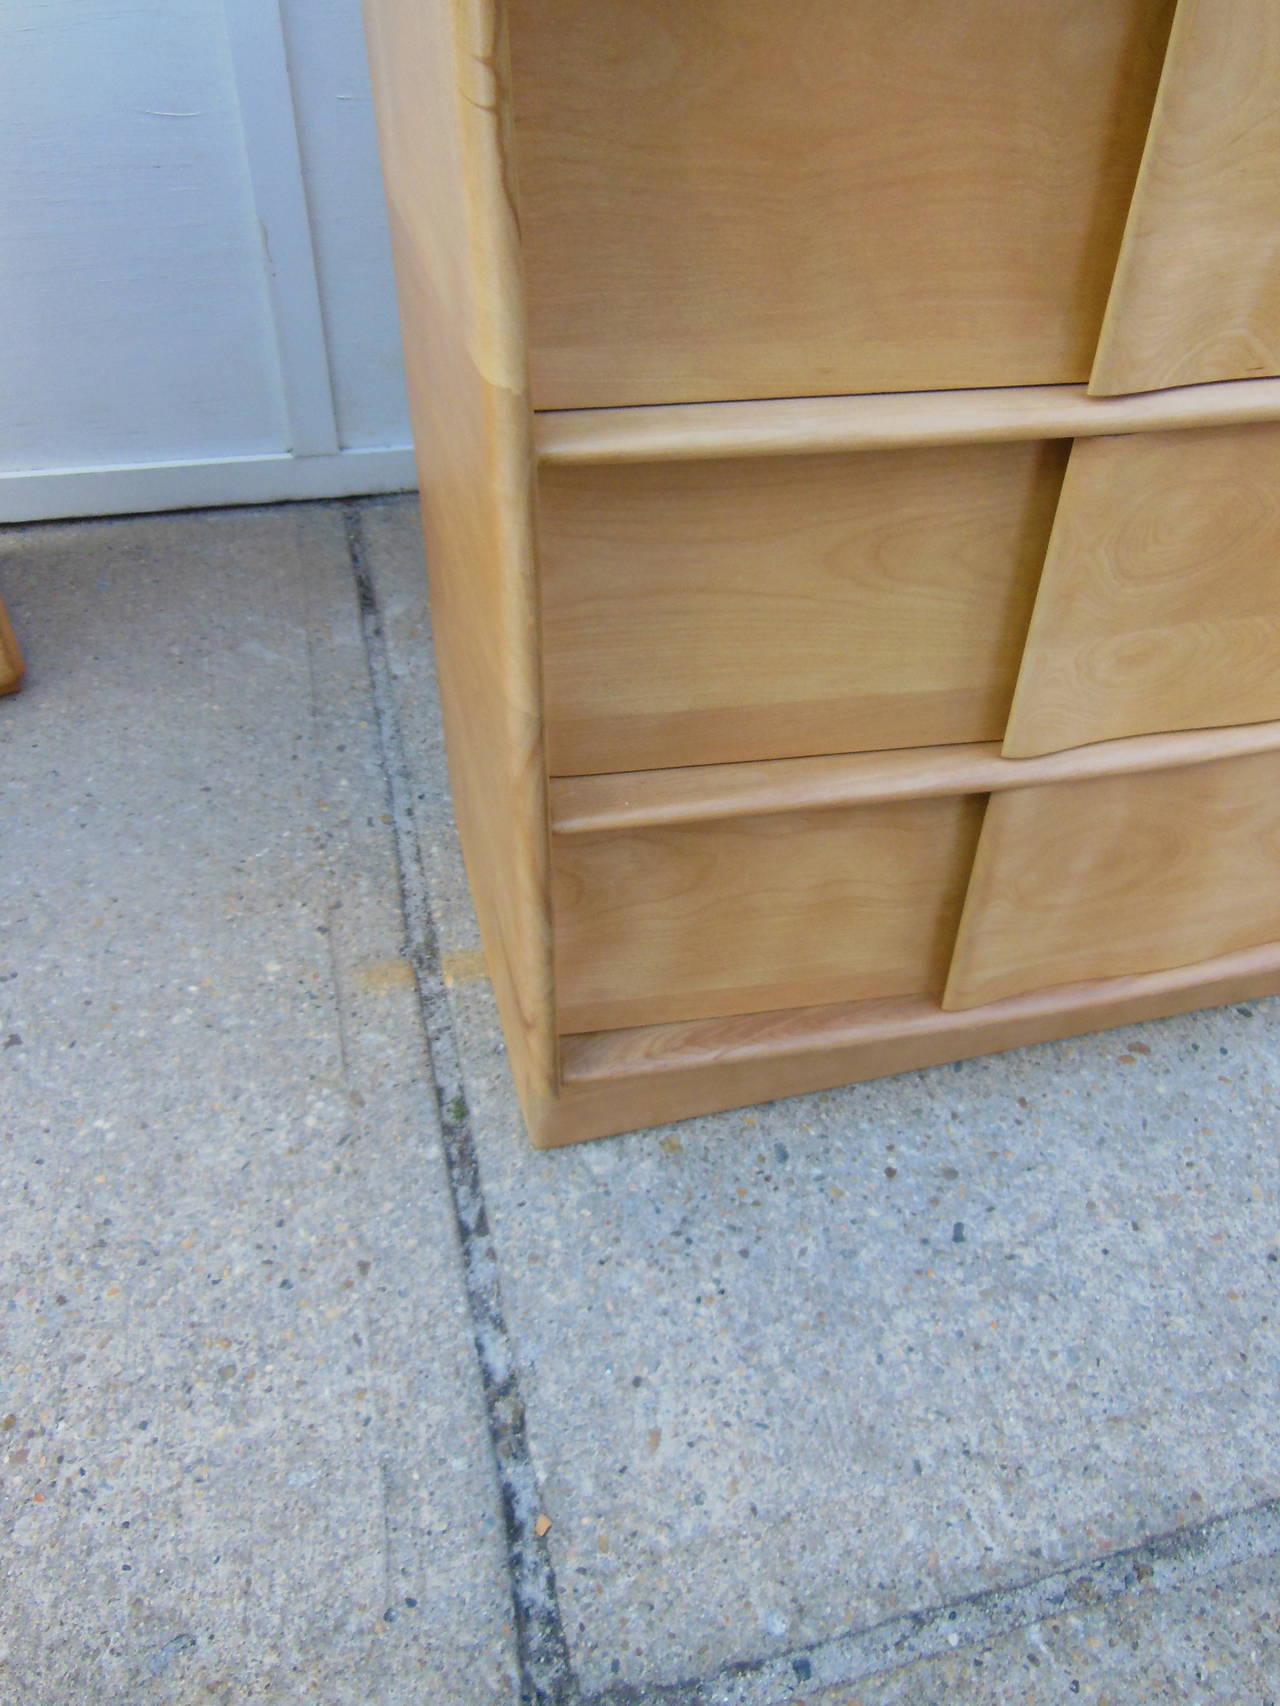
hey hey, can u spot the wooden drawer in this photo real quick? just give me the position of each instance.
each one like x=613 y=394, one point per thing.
x=804 y=197
x=689 y=921
x=1158 y=605
x=951 y=873
x=1196 y=295
x=1119 y=875
x=709 y=611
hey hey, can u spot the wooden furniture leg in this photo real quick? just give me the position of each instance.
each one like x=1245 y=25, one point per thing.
x=11 y=664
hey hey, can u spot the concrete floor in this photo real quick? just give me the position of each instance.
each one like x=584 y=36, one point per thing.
x=319 y=1385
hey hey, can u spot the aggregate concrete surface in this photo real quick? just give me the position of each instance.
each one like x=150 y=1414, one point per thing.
x=319 y=1384
x=246 y=1453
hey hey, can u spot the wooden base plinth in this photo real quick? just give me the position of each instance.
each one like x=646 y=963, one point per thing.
x=617 y=1081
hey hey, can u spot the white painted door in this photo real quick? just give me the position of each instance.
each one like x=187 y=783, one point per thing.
x=195 y=290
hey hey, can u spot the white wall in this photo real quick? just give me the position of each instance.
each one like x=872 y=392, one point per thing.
x=195 y=289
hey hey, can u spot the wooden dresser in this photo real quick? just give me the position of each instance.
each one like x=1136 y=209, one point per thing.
x=850 y=455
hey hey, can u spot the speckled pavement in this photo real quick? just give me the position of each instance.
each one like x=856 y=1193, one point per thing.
x=317 y=1384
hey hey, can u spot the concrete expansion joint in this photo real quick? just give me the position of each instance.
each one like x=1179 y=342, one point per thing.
x=1163 y=1563
x=546 y=1674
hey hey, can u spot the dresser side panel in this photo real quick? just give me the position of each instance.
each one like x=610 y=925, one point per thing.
x=440 y=91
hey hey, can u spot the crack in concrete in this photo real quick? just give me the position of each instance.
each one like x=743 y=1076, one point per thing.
x=1163 y=1563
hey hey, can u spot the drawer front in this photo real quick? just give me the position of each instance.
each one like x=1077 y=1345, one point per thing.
x=1159 y=606
x=751 y=914
x=1196 y=294
x=1120 y=875
x=705 y=612
x=782 y=198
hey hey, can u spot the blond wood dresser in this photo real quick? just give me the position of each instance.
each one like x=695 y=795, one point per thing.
x=850 y=455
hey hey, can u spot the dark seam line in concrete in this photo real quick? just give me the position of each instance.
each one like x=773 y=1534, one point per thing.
x=1164 y=1563
x=547 y=1677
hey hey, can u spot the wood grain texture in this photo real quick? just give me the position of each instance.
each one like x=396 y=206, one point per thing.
x=1120 y=875
x=625 y=1080
x=1158 y=605
x=781 y=426
x=11 y=664
x=1197 y=287
x=439 y=84
x=592 y=805
x=704 y=612
x=756 y=913
x=790 y=197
